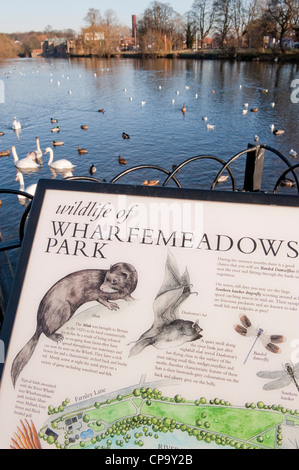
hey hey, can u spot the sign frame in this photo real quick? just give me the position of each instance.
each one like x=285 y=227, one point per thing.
x=251 y=202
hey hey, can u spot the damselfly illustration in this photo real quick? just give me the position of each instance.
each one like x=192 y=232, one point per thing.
x=281 y=378
x=268 y=341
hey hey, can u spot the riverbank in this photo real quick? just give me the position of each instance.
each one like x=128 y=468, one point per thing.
x=213 y=54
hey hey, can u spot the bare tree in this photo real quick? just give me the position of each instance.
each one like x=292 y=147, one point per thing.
x=93 y=18
x=243 y=14
x=202 y=16
x=160 y=27
x=223 y=19
x=285 y=14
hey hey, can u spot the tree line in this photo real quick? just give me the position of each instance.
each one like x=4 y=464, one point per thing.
x=213 y=23
x=228 y=23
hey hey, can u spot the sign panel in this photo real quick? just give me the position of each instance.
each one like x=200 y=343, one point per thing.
x=153 y=318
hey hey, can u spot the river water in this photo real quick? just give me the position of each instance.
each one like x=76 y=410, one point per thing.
x=143 y=98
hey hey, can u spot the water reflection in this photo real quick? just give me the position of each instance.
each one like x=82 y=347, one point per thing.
x=145 y=98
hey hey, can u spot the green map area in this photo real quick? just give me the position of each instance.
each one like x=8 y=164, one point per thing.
x=145 y=418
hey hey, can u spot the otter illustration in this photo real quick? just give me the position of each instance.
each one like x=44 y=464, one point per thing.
x=65 y=297
x=168 y=330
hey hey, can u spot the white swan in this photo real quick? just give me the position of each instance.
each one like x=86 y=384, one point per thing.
x=16 y=125
x=59 y=164
x=30 y=189
x=35 y=154
x=24 y=163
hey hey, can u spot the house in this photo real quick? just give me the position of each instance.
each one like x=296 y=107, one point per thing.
x=36 y=53
x=55 y=47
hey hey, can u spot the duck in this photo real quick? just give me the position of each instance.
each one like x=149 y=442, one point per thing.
x=222 y=179
x=256 y=138
x=92 y=170
x=143 y=103
x=205 y=118
x=84 y=127
x=272 y=105
x=278 y=131
x=57 y=143
x=150 y=183
x=254 y=110
x=210 y=126
x=35 y=154
x=24 y=163
x=101 y=111
x=287 y=183
x=1 y=134
x=244 y=111
x=55 y=129
x=59 y=164
x=184 y=109
x=54 y=120
x=122 y=160
x=5 y=153
x=125 y=136
x=82 y=151
x=293 y=153
x=16 y=125
x=30 y=189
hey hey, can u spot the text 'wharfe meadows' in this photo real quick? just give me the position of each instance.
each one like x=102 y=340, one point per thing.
x=90 y=240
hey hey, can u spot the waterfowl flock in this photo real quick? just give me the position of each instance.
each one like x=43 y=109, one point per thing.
x=33 y=158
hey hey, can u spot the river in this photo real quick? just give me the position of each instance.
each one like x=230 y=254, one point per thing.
x=144 y=98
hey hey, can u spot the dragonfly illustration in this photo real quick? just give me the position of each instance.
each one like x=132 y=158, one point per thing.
x=268 y=341
x=281 y=378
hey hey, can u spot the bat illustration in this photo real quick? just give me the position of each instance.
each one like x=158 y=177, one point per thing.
x=168 y=330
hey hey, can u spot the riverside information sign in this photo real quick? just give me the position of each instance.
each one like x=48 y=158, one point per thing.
x=153 y=318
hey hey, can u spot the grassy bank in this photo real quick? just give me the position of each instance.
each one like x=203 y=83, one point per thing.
x=220 y=54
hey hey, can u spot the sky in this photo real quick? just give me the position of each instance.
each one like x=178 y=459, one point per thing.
x=27 y=15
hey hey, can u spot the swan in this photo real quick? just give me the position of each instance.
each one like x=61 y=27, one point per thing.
x=24 y=163
x=35 y=154
x=59 y=164
x=16 y=125
x=30 y=189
